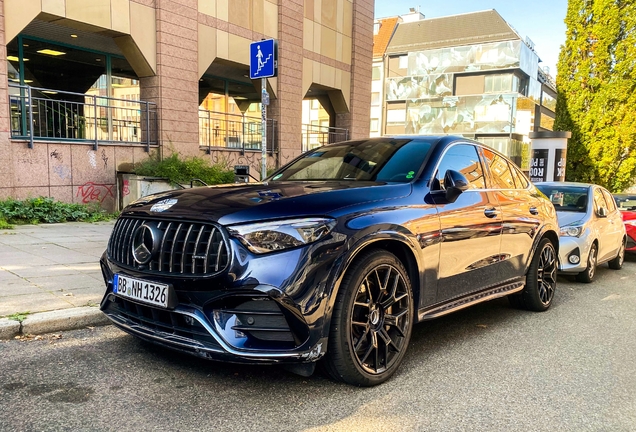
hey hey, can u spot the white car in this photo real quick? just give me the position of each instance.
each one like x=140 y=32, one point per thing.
x=592 y=230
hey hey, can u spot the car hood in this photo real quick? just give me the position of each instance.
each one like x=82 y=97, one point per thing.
x=237 y=203
x=571 y=218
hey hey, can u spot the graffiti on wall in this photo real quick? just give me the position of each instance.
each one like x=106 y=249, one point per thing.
x=126 y=187
x=95 y=192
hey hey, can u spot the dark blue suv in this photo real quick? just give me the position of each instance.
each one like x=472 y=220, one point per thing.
x=334 y=257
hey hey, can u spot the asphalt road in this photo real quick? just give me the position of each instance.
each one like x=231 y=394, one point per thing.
x=488 y=368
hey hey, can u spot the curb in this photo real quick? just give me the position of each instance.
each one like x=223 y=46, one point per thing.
x=53 y=321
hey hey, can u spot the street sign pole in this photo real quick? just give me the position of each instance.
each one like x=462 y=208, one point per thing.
x=263 y=65
x=264 y=101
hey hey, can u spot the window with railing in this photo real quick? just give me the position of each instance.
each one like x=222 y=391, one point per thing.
x=235 y=131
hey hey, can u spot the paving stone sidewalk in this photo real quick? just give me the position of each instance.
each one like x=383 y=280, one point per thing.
x=51 y=267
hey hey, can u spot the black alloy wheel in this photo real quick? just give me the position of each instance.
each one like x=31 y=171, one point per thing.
x=588 y=274
x=372 y=321
x=541 y=280
x=547 y=274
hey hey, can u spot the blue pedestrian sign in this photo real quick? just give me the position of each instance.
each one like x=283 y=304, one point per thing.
x=263 y=59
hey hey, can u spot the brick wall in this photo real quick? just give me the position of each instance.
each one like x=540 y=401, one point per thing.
x=6 y=162
x=287 y=108
x=175 y=89
x=357 y=120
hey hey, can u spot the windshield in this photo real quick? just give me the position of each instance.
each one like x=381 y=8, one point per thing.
x=625 y=202
x=566 y=198
x=382 y=160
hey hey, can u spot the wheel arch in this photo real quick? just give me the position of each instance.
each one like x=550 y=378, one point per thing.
x=398 y=245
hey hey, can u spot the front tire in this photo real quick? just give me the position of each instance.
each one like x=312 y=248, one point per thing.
x=617 y=262
x=372 y=320
x=587 y=276
x=541 y=280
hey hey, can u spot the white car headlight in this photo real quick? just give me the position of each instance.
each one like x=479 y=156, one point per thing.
x=272 y=236
x=630 y=222
x=571 y=231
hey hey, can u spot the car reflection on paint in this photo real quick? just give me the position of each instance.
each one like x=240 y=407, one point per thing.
x=334 y=257
x=592 y=231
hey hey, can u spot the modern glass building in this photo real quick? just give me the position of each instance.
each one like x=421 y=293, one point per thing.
x=470 y=75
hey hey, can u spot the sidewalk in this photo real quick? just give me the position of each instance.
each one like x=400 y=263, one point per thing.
x=52 y=267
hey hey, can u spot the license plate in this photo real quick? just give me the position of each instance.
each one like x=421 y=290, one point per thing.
x=141 y=290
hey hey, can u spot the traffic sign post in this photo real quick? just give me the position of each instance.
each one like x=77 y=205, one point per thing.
x=263 y=65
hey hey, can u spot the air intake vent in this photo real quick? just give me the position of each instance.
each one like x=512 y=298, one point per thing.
x=179 y=248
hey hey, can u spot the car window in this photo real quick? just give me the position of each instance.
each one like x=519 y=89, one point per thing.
x=390 y=160
x=599 y=200
x=566 y=198
x=520 y=179
x=611 y=204
x=462 y=158
x=499 y=171
x=625 y=202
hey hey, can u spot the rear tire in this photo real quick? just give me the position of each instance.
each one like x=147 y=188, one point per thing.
x=617 y=263
x=541 y=280
x=372 y=321
x=587 y=276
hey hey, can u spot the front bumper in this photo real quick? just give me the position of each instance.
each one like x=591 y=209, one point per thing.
x=188 y=329
x=573 y=246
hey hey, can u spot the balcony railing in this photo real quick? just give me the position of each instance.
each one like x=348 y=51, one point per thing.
x=234 y=131
x=315 y=136
x=46 y=114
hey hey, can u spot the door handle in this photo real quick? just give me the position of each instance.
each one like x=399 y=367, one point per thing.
x=534 y=211
x=490 y=212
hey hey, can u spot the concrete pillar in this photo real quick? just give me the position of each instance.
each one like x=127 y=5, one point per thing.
x=6 y=154
x=286 y=109
x=175 y=88
x=357 y=120
x=548 y=156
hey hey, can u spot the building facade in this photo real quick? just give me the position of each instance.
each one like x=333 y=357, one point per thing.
x=90 y=87
x=469 y=75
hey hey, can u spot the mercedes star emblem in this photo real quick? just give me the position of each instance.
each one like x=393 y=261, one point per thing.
x=144 y=244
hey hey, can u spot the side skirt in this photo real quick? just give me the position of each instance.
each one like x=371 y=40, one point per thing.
x=469 y=300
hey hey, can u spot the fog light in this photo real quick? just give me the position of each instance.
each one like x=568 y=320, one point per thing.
x=574 y=259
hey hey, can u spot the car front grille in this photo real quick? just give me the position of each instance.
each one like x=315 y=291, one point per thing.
x=183 y=248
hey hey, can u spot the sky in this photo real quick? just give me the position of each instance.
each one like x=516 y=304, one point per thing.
x=541 y=20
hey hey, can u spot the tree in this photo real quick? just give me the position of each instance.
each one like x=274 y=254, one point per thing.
x=596 y=85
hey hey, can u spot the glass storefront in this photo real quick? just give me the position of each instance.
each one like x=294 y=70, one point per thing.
x=76 y=93
x=229 y=114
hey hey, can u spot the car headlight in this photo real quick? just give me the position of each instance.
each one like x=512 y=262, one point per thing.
x=631 y=222
x=272 y=236
x=571 y=231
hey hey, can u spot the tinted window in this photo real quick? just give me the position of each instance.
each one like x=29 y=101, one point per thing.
x=611 y=204
x=499 y=171
x=520 y=180
x=462 y=158
x=599 y=201
x=566 y=198
x=387 y=160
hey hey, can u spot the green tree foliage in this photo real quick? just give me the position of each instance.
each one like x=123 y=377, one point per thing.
x=596 y=82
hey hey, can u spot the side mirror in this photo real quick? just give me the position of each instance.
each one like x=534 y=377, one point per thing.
x=455 y=183
x=601 y=212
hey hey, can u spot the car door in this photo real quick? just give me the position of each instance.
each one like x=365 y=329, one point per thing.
x=520 y=210
x=601 y=225
x=470 y=227
x=616 y=228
